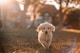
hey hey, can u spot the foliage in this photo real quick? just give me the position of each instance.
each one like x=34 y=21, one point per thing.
x=73 y=18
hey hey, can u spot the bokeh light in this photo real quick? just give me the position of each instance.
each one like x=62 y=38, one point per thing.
x=3 y=1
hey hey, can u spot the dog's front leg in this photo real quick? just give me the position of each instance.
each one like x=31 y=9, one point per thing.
x=43 y=43
x=50 y=41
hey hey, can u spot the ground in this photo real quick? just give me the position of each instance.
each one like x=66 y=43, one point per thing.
x=25 y=41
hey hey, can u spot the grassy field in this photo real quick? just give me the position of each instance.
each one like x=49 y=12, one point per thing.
x=25 y=41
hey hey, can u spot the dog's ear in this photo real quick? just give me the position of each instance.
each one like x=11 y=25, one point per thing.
x=38 y=28
x=52 y=28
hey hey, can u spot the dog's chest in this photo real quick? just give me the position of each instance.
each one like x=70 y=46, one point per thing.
x=45 y=37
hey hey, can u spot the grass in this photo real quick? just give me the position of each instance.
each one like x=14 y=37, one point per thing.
x=25 y=41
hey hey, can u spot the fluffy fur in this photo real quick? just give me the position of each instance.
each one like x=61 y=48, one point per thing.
x=45 y=34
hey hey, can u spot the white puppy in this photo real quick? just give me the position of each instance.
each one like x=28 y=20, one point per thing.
x=45 y=34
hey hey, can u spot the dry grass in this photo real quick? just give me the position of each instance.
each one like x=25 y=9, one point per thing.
x=25 y=41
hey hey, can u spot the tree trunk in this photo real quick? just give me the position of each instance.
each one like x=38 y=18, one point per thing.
x=61 y=18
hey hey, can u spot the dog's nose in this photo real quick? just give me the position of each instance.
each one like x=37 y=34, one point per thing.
x=46 y=32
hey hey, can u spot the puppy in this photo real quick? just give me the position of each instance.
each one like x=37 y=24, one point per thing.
x=45 y=34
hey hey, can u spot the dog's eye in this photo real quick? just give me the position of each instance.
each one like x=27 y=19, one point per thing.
x=48 y=28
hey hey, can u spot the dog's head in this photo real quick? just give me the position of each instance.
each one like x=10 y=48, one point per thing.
x=46 y=27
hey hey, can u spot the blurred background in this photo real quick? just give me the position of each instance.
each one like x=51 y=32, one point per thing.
x=30 y=13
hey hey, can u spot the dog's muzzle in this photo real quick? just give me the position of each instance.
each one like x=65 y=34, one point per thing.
x=46 y=32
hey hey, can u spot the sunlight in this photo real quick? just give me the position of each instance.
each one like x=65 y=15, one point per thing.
x=71 y=30
x=51 y=2
x=21 y=7
x=3 y=1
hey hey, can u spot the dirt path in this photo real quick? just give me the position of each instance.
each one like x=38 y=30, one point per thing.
x=25 y=41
